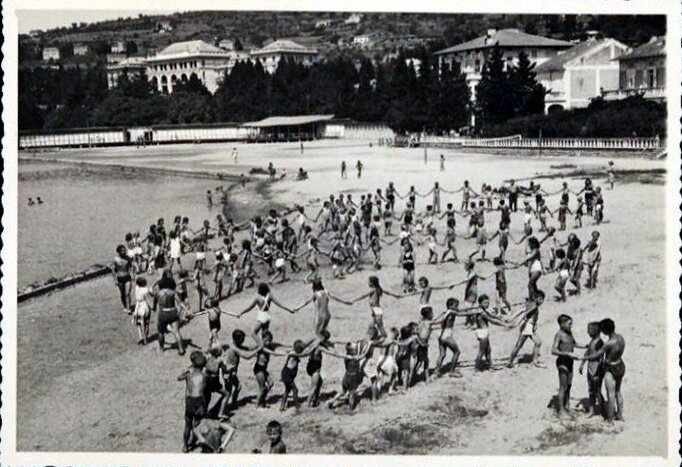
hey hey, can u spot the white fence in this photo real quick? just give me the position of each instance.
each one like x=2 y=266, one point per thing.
x=616 y=144
x=85 y=138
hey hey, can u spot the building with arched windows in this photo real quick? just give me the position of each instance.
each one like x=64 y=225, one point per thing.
x=271 y=54
x=181 y=60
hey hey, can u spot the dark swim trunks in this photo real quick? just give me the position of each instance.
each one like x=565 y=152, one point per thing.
x=195 y=407
x=564 y=363
x=166 y=317
x=288 y=376
x=214 y=324
x=213 y=384
x=617 y=369
x=422 y=353
x=314 y=365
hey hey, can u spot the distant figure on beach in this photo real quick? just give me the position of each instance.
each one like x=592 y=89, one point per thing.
x=235 y=155
x=40 y=201
x=442 y=163
x=358 y=166
x=426 y=156
x=271 y=171
x=302 y=174
x=31 y=202
x=344 y=173
x=209 y=198
x=301 y=147
x=610 y=175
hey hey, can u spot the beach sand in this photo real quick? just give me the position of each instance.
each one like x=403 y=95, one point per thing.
x=83 y=384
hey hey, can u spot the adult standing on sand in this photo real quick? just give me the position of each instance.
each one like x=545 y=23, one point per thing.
x=614 y=368
x=235 y=155
x=168 y=302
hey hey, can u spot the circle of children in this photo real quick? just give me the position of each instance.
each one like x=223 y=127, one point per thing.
x=344 y=232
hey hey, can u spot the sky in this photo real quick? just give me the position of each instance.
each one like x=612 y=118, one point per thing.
x=47 y=19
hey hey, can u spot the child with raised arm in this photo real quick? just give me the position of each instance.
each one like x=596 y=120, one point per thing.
x=423 y=335
x=260 y=369
x=563 y=268
x=592 y=260
x=481 y=240
x=375 y=293
x=320 y=299
x=232 y=353
x=528 y=330
x=314 y=367
x=449 y=241
x=290 y=371
x=501 y=285
x=594 y=370
x=504 y=236
x=611 y=356
x=446 y=341
x=482 y=319
x=352 y=377
x=263 y=300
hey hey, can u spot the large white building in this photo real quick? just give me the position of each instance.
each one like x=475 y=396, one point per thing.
x=471 y=55
x=181 y=60
x=273 y=53
x=576 y=76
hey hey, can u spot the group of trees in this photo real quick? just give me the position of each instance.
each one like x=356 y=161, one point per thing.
x=507 y=92
x=395 y=93
x=631 y=117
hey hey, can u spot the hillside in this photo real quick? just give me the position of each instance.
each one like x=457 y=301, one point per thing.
x=332 y=33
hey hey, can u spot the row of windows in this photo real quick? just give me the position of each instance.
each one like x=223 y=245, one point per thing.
x=176 y=66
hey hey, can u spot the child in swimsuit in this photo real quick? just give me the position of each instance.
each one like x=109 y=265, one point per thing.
x=446 y=340
x=260 y=369
x=142 y=311
x=450 y=237
x=232 y=354
x=289 y=372
x=563 y=348
x=594 y=369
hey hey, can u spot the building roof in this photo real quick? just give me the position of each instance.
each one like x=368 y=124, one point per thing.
x=284 y=46
x=654 y=48
x=129 y=62
x=289 y=121
x=505 y=38
x=559 y=61
x=190 y=47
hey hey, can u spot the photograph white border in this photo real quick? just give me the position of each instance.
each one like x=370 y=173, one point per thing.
x=8 y=454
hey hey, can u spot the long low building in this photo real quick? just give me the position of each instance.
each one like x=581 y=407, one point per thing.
x=272 y=129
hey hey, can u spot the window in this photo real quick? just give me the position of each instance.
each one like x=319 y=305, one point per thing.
x=651 y=78
x=630 y=74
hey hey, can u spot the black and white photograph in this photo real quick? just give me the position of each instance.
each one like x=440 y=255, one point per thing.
x=364 y=230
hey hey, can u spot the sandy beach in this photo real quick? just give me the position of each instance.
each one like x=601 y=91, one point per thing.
x=83 y=384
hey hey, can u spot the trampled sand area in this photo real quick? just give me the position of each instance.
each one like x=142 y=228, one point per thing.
x=83 y=384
